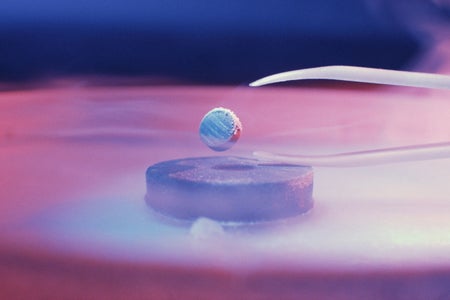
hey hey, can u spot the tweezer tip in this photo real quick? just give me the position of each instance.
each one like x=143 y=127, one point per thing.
x=255 y=83
x=279 y=77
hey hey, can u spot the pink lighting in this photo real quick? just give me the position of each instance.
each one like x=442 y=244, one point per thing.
x=72 y=191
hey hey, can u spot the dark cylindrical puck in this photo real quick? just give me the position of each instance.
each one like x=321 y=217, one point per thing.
x=228 y=188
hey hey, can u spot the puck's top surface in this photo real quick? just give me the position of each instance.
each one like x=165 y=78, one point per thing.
x=229 y=189
x=233 y=171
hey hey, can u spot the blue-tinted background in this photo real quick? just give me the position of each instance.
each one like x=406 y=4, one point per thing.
x=209 y=42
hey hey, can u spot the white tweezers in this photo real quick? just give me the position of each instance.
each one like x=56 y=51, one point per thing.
x=366 y=75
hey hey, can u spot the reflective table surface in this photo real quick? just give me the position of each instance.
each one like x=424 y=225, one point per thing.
x=73 y=219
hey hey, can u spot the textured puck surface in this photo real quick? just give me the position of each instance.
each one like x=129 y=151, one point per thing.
x=226 y=188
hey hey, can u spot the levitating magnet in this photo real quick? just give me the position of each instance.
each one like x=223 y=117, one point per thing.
x=220 y=129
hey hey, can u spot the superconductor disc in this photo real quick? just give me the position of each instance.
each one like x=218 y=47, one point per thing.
x=229 y=189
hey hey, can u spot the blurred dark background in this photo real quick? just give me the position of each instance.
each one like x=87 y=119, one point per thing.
x=204 y=42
